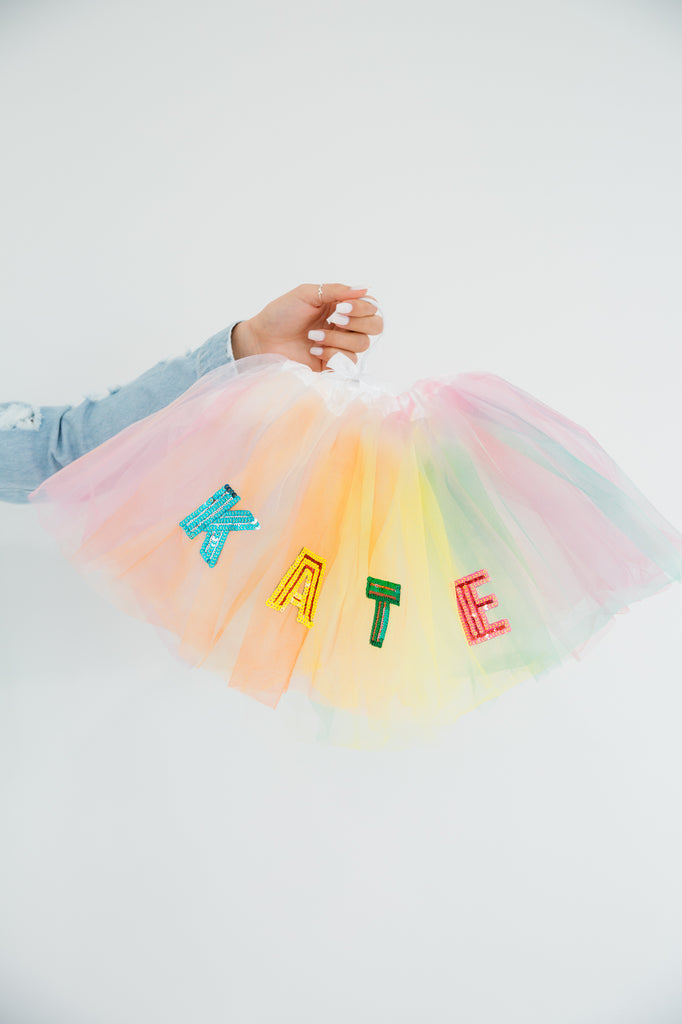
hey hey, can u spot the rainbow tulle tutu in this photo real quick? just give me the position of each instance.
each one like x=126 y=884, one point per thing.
x=375 y=564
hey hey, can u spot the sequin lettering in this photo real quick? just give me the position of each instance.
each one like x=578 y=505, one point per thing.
x=470 y=607
x=217 y=520
x=385 y=594
x=307 y=570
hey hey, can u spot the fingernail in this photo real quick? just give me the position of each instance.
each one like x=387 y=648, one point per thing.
x=357 y=288
x=367 y=299
x=344 y=307
x=339 y=319
x=316 y=350
x=316 y=335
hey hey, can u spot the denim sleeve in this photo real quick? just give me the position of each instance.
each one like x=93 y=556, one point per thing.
x=37 y=441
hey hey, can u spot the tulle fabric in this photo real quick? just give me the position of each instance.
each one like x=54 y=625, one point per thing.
x=420 y=489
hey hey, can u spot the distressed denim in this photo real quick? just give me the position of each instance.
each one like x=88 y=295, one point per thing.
x=37 y=441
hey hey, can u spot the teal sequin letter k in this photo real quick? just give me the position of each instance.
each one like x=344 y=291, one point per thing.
x=216 y=518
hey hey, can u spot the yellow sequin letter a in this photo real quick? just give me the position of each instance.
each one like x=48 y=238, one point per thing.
x=308 y=569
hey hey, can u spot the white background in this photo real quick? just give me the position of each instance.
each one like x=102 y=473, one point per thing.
x=505 y=177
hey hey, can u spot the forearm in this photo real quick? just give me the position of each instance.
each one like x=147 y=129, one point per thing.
x=36 y=442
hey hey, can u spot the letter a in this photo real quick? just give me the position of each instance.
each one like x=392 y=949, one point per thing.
x=308 y=569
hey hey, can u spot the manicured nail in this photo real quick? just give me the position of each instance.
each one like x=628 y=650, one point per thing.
x=344 y=307
x=339 y=319
x=316 y=335
x=316 y=350
x=366 y=298
x=357 y=288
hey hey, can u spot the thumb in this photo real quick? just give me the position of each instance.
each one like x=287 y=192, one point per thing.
x=310 y=293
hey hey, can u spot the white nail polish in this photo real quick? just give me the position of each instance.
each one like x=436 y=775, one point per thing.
x=316 y=350
x=339 y=319
x=366 y=298
x=316 y=335
x=344 y=307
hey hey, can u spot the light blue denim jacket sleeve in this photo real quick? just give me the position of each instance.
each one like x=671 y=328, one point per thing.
x=37 y=441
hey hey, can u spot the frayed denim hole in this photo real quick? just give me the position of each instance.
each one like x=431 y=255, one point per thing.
x=20 y=416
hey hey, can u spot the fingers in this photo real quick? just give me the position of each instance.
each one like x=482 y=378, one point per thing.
x=310 y=293
x=357 y=324
x=354 y=320
x=340 y=340
x=365 y=307
x=325 y=353
x=359 y=315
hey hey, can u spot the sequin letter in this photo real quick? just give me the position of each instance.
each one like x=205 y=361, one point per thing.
x=215 y=518
x=470 y=607
x=309 y=569
x=385 y=594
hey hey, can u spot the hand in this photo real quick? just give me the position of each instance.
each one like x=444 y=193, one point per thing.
x=283 y=326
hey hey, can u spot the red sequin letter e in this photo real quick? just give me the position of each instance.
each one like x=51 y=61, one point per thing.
x=470 y=607
x=308 y=568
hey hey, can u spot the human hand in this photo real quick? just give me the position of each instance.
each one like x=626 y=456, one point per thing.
x=285 y=325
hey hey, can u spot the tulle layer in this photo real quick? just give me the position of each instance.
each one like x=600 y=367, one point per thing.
x=414 y=556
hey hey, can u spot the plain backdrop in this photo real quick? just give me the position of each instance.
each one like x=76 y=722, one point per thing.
x=505 y=178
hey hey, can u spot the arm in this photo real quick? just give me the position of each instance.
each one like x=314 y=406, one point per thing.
x=36 y=442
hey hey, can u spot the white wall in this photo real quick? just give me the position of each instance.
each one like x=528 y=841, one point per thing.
x=506 y=180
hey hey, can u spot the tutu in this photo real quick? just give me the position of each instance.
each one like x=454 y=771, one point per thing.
x=374 y=565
